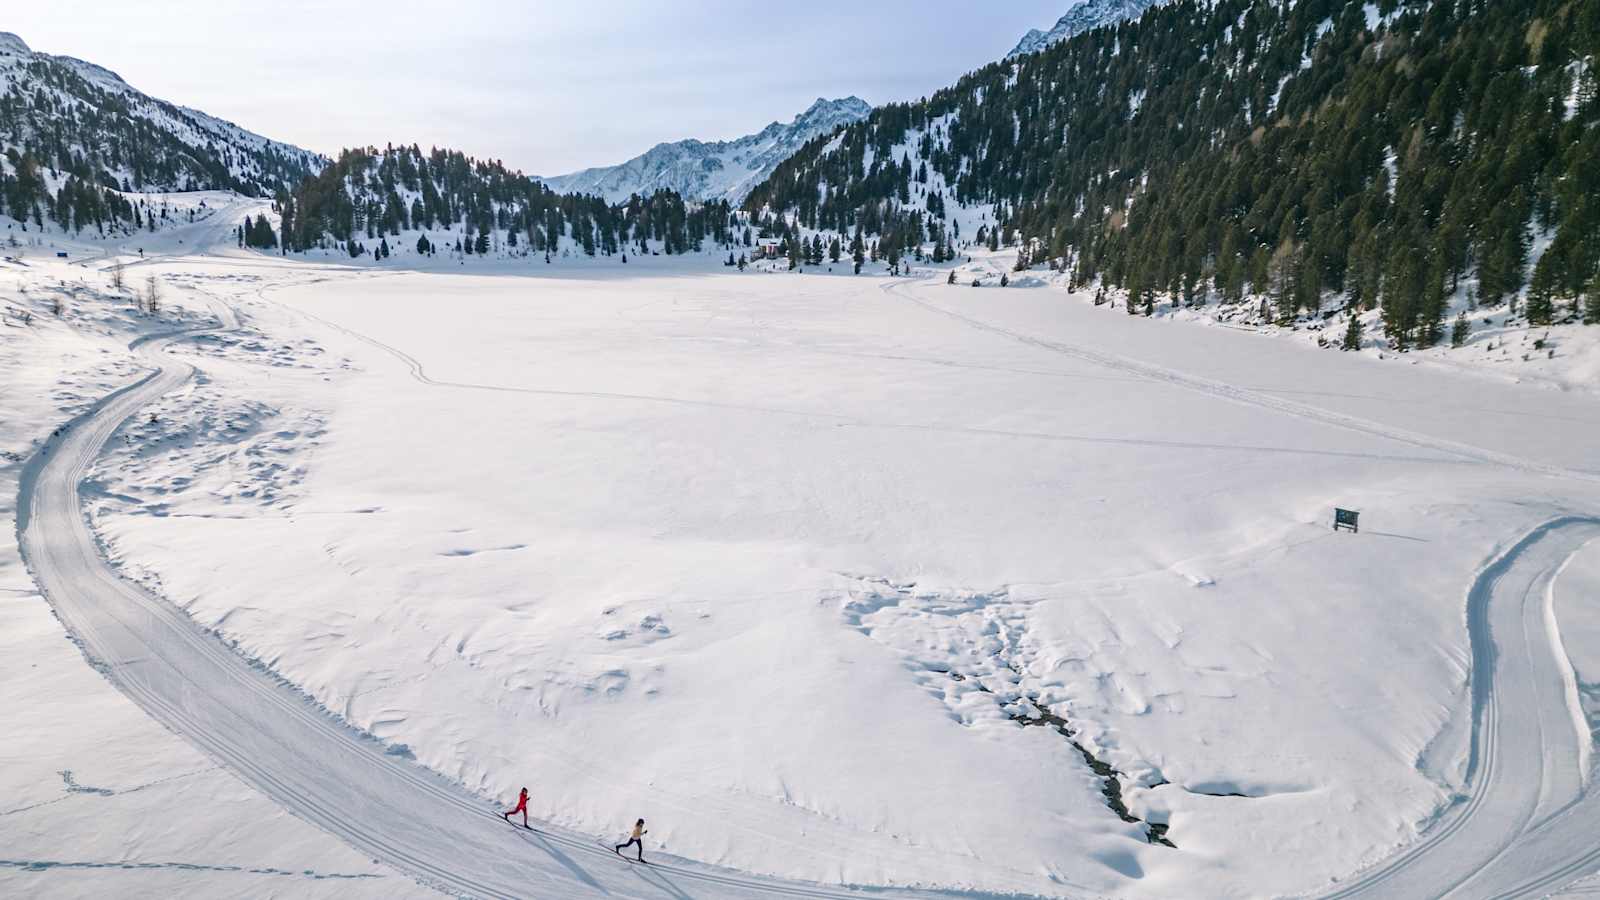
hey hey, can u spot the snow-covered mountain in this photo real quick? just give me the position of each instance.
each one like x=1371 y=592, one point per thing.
x=1087 y=15
x=76 y=117
x=713 y=170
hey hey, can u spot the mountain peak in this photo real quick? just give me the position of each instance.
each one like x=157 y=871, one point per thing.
x=14 y=45
x=195 y=151
x=713 y=170
x=1085 y=16
x=826 y=112
x=851 y=103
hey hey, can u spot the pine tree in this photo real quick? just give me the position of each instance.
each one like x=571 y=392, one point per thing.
x=1505 y=252
x=1541 y=301
x=1591 y=302
x=1460 y=330
x=1352 y=331
x=1431 y=316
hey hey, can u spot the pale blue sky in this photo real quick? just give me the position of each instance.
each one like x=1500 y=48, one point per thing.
x=547 y=85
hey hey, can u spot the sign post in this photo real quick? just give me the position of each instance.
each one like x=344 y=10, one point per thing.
x=1346 y=518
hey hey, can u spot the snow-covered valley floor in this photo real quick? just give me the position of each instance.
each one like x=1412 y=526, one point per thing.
x=782 y=564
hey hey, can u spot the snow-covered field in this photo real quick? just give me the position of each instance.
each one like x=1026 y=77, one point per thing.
x=96 y=799
x=1500 y=344
x=783 y=563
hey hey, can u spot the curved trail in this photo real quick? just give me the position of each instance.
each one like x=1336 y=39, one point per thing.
x=1524 y=828
x=1526 y=825
x=276 y=739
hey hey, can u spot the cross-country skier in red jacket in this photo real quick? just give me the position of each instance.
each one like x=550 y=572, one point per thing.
x=522 y=807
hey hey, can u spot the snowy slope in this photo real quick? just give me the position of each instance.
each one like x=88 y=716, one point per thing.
x=717 y=169
x=140 y=142
x=1086 y=16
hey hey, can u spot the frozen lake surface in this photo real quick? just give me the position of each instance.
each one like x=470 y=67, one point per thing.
x=782 y=563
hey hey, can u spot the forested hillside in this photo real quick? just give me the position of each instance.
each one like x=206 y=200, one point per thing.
x=73 y=134
x=445 y=200
x=1404 y=156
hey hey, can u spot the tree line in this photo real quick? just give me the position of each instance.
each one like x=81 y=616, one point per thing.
x=368 y=195
x=1389 y=155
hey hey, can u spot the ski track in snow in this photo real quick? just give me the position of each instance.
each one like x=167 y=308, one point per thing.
x=1525 y=826
x=1250 y=397
x=420 y=375
x=1521 y=830
x=275 y=738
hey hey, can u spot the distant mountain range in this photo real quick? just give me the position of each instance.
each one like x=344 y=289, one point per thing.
x=729 y=170
x=77 y=118
x=81 y=120
x=712 y=170
x=1083 y=17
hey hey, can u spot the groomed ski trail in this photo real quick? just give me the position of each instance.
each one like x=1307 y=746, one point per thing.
x=275 y=738
x=1526 y=825
x=1523 y=829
